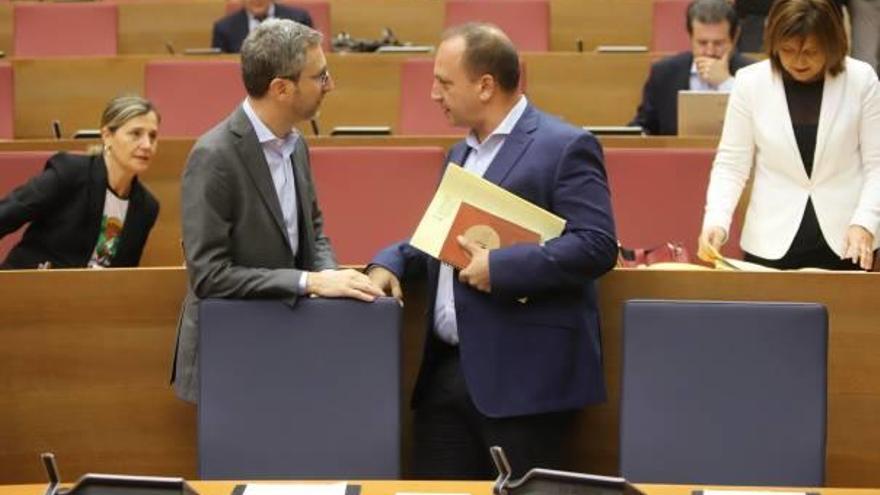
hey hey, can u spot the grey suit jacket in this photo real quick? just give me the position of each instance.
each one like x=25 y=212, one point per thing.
x=234 y=238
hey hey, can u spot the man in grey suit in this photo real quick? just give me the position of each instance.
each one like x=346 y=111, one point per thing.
x=252 y=227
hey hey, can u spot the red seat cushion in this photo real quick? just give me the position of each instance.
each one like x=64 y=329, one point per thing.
x=64 y=29
x=658 y=195
x=16 y=167
x=372 y=197
x=193 y=96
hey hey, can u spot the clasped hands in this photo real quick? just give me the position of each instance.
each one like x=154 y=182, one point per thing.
x=475 y=274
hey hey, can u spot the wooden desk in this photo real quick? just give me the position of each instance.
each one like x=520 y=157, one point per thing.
x=392 y=487
x=85 y=359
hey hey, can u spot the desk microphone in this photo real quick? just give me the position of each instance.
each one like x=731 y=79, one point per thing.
x=56 y=129
x=314 y=123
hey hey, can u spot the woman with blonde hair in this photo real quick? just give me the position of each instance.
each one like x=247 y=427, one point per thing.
x=808 y=121
x=89 y=210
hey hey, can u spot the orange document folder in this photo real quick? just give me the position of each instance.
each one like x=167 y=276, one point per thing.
x=486 y=229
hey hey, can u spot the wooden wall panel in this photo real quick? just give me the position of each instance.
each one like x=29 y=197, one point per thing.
x=599 y=22
x=587 y=88
x=146 y=27
x=73 y=90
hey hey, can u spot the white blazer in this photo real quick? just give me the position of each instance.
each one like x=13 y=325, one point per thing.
x=845 y=182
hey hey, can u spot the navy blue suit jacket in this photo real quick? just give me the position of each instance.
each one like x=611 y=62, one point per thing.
x=544 y=354
x=230 y=31
x=658 y=112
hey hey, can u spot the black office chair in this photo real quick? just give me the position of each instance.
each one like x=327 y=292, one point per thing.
x=729 y=393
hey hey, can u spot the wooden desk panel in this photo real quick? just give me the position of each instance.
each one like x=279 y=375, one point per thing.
x=85 y=358
x=599 y=22
x=587 y=88
x=417 y=21
x=146 y=27
x=73 y=90
x=853 y=368
x=6 y=28
x=113 y=332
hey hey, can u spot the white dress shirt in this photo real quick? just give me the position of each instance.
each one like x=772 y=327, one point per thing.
x=478 y=160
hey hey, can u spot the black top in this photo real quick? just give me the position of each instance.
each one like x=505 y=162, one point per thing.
x=64 y=206
x=804 y=102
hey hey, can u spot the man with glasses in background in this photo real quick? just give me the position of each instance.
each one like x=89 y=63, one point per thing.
x=252 y=227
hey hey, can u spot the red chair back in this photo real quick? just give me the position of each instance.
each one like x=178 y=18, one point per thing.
x=372 y=197
x=526 y=22
x=658 y=196
x=670 y=31
x=16 y=167
x=193 y=96
x=64 y=29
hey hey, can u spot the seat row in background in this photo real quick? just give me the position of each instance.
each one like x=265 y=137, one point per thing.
x=122 y=27
x=657 y=195
x=371 y=90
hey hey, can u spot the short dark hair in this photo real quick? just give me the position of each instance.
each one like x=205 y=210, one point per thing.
x=488 y=51
x=275 y=48
x=711 y=12
x=801 y=18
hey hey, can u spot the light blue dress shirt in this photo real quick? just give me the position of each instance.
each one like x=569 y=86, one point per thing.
x=478 y=160
x=278 y=152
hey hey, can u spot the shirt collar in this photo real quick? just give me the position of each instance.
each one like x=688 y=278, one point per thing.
x=506 y=125
x=265 y=135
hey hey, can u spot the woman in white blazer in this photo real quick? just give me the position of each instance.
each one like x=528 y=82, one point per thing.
x=808 y=118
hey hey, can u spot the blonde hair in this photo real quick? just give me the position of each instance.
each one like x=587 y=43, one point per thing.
x=120 y=110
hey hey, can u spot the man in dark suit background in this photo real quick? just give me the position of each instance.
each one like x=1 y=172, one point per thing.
x=230 y=31
x=512 y=348
x=252 y=227
x=709 y=66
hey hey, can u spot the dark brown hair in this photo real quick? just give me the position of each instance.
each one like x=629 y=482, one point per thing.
x=801 y=18
x=488 y=51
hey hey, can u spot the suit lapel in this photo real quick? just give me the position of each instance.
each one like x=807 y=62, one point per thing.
x=303 y=205
x=514 y=146
x=251 y=154
x=832 y=98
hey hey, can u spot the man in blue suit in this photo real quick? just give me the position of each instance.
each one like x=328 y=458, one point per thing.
x=230 y=31
x=513 y=346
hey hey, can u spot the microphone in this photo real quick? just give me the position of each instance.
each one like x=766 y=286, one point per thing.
x=314 y=123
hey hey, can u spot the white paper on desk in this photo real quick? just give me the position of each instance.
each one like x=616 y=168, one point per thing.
x=459 y=185
x=749 y=492
x=295 y=488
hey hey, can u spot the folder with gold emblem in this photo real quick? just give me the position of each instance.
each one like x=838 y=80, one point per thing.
x=468 y=205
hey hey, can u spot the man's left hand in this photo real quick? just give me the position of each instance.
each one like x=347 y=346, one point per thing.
x=714 y=70
x=476 y=274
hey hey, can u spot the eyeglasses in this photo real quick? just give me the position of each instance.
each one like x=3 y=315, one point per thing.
x=323 y=78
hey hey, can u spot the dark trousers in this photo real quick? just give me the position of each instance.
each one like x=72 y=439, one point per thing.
x=452 y=437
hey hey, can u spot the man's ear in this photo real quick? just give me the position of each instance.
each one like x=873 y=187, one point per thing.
x=487 y=87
